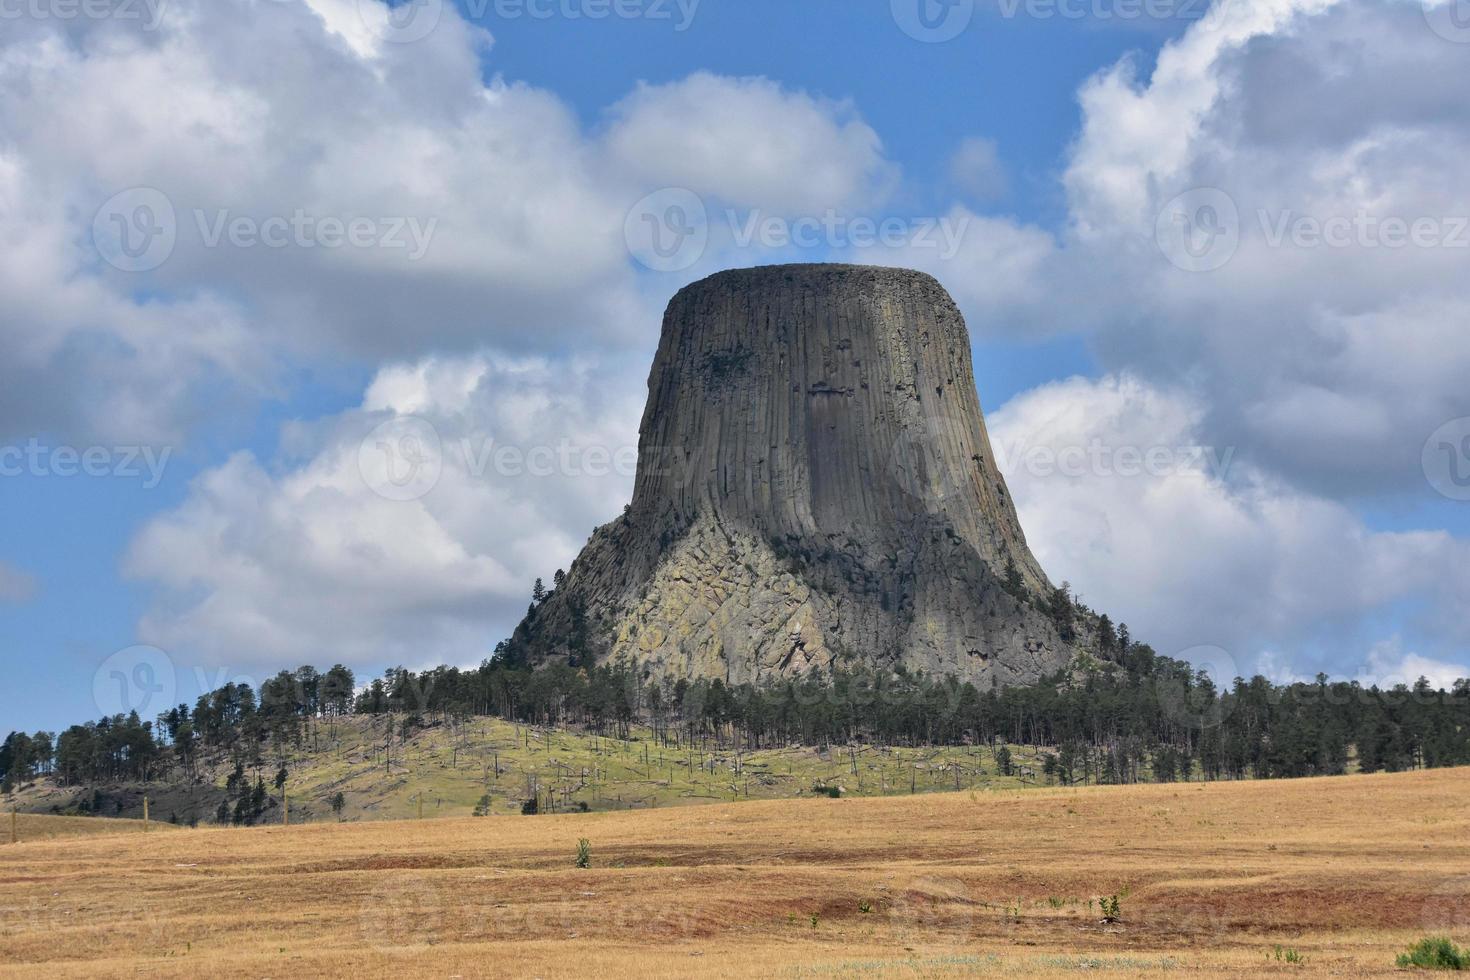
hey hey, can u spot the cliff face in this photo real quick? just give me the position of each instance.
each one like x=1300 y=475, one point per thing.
x=815 y=489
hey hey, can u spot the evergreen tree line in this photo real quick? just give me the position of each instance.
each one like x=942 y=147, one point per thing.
x=1136 y=716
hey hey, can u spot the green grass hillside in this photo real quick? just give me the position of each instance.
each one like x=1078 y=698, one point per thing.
x=448 y=769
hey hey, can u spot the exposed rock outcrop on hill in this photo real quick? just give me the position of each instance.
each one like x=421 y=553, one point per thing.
x=815 y=488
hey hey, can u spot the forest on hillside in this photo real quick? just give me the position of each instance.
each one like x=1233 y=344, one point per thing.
x=1136 y=716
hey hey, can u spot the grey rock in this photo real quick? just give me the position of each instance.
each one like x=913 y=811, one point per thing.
x=815 y=489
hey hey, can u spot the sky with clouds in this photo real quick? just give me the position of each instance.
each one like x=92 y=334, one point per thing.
x=328 y=323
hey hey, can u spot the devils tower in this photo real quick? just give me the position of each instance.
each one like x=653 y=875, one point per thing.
x=815 y=490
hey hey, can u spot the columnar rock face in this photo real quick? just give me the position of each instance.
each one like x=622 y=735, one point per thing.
x=815 y=490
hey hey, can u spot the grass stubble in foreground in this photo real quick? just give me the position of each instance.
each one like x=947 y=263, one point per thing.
x=1338 y=874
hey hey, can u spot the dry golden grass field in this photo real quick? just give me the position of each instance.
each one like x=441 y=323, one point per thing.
x=1212 y=879
x=32 y=827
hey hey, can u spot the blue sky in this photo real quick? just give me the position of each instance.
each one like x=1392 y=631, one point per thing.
x=1328 y=375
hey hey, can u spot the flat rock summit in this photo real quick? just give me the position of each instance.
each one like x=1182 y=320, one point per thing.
x=815 y=490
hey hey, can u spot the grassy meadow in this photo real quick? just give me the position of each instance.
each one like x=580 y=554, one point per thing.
x=448 y=769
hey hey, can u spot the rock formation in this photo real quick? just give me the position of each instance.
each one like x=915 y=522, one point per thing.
x=815 y=489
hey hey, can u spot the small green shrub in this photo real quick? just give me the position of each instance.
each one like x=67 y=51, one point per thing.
x=865 y=907
x=584 y=853
x=1111 y=912
x=1286 y=954
x=1436 y=953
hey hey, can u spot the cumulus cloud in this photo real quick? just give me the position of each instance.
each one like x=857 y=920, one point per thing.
x=1323 y=326
x=506 y=466
x=345 y=199
x=1389 y=665
x=761 y=147
x=1317 y=369
x=1012 y=280
x=1330 y=151
x=1122 y=495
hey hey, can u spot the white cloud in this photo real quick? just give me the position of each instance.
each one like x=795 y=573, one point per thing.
x=1325 y=365
x=1011 y=279
x=1120 y=495
x=1137 y=136
x=1328 y=364
x=301 y=560
x=1388 y=665
x=749 y=143
x=521 y=210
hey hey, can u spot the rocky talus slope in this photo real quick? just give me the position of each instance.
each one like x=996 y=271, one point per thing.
x=815 y=489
